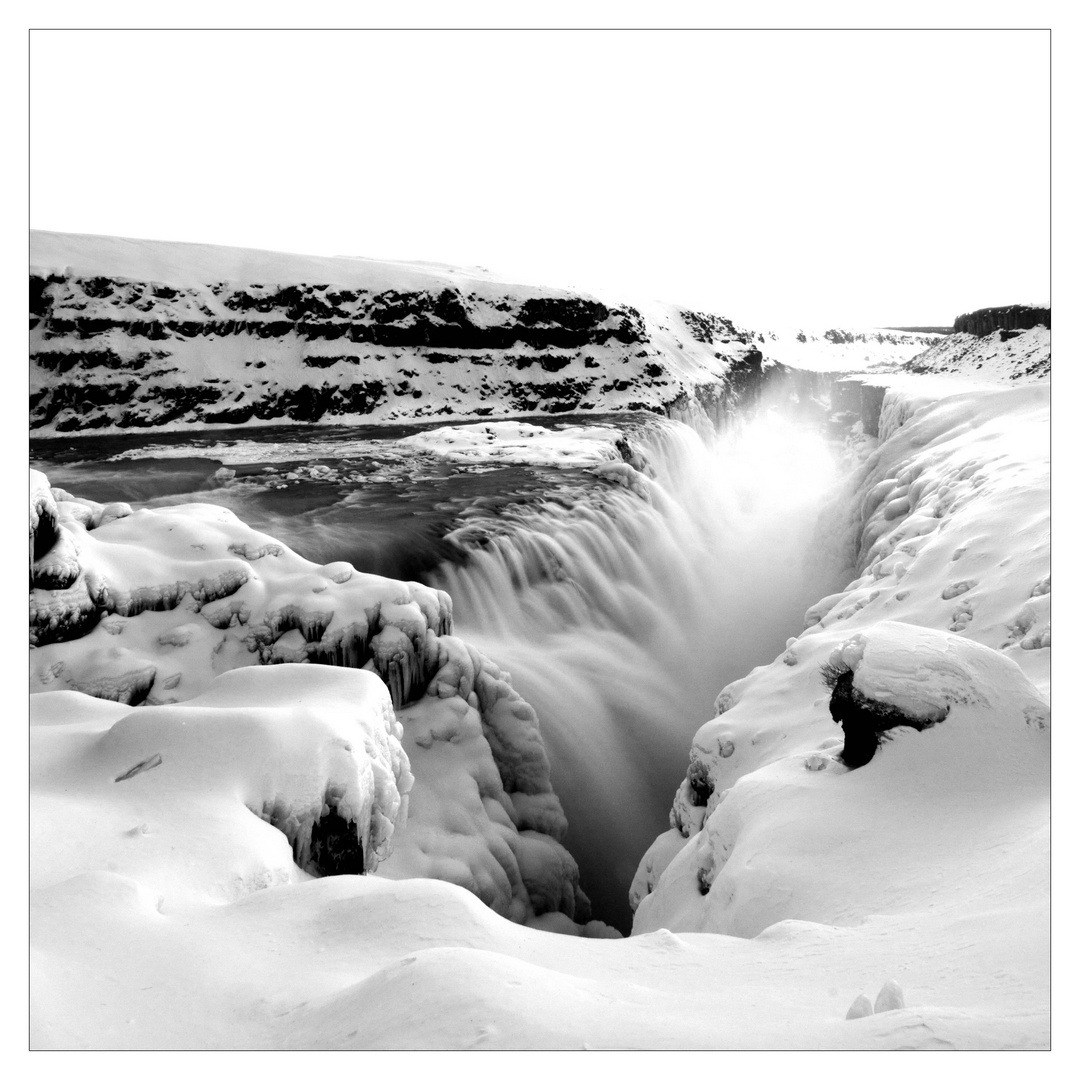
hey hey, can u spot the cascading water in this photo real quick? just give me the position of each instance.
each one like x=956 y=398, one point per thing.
x=620 y=610
x=621 y=617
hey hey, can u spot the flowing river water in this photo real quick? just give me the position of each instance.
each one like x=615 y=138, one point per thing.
x=620 y=612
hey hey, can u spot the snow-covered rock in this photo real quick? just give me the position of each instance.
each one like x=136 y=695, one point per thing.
x=163 y=602
x=181 y=796
x=817 y=349
x=1001 y=356
x=802 y=837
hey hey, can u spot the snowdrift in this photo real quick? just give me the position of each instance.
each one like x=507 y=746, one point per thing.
x=179 y=797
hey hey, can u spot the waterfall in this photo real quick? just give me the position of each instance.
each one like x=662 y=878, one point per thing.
x=621 y=615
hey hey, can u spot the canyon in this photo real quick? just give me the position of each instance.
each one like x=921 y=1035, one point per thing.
x=639 y=534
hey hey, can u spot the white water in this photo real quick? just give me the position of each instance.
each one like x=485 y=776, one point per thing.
x=621 y=621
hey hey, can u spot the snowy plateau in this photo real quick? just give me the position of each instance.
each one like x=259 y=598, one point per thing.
x=420 y=660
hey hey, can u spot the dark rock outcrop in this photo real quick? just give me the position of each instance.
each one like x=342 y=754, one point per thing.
x=864 y=720
x=1014 y=317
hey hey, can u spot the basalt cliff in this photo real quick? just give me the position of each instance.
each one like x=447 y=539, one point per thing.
x=135 y=334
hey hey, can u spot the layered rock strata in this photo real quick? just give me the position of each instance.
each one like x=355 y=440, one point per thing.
x=130 y=334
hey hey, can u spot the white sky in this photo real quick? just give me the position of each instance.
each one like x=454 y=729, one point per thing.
x=819 y=177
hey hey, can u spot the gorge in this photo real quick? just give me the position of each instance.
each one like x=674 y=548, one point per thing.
x=627 y=523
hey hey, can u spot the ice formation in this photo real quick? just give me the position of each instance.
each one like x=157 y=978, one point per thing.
x=160 y=605
x=512 y=442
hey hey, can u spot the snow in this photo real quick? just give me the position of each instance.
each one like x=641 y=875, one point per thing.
x=192 y=265
x=518 y=443
x=168 y=603
x=182 y=798
x=850 y=349
x=794 y=903
x=940 y=843
x=1001 y=356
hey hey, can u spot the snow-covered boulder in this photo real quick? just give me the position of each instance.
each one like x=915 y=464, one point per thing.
x=804 y=837
x=182 y=797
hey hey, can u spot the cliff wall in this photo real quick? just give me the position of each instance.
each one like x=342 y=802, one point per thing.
x=135 y=334
x=1014 y=317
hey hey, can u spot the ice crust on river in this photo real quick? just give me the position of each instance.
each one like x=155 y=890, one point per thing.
x=793 y=903
x=511 y=442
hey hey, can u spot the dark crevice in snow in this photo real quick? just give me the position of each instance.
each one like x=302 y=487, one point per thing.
x=324 y=842
x=335 y=847
x=151 y=762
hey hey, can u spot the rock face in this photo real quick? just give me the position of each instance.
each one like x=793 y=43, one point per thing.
x=1014 y=317
x=133 y=334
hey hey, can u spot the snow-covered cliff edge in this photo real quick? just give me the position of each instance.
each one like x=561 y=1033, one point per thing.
x=924 y=817
x=133 y=334
x=186 y=609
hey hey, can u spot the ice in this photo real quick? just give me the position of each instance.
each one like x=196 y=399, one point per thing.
x=516 y=443
x=166 y=600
